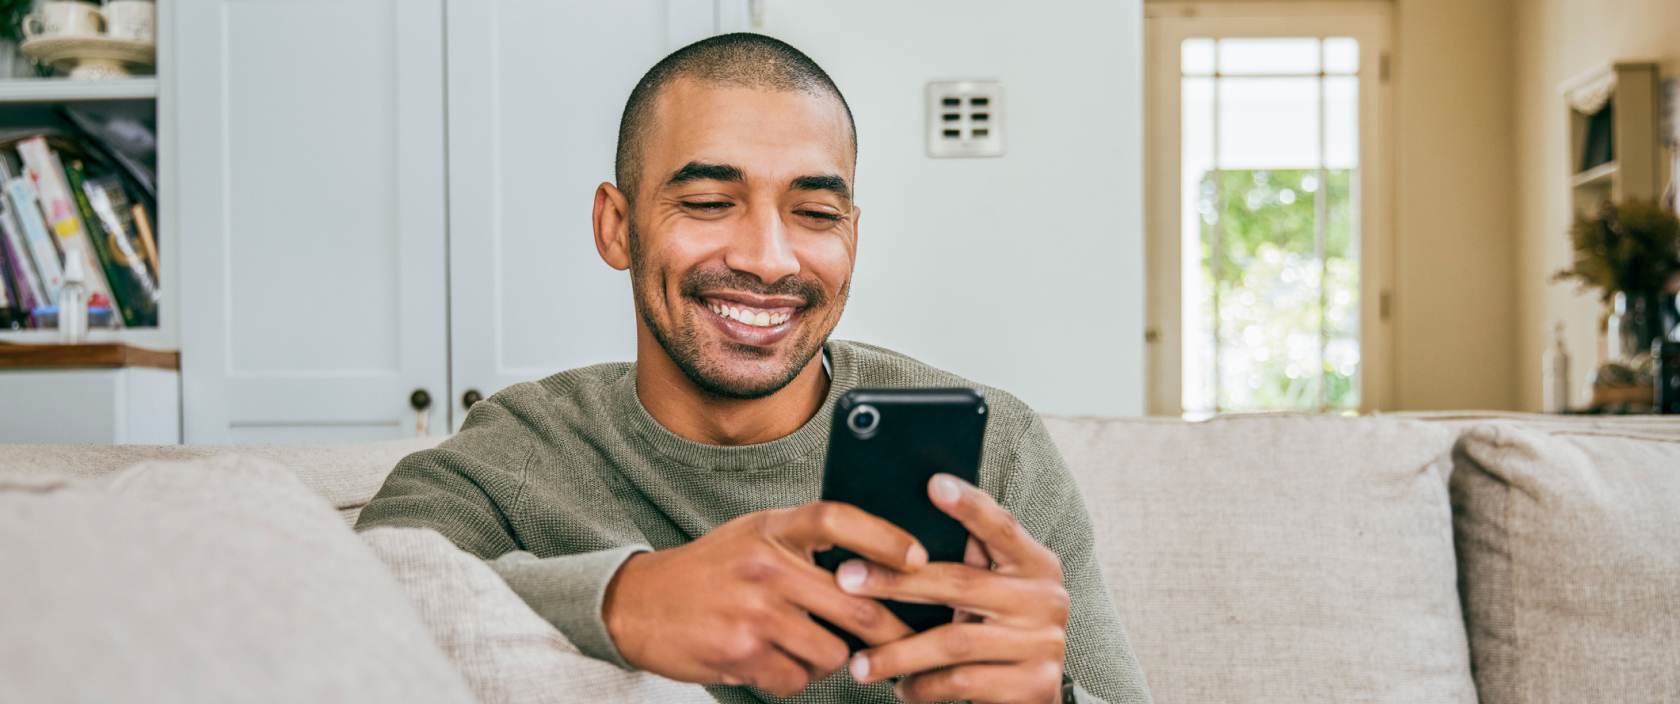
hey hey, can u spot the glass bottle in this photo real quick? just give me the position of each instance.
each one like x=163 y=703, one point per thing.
x=73 y=299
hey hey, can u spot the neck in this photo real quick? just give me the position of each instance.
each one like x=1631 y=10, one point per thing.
x=696 y=414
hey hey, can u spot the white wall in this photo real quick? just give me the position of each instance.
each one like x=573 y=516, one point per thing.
x=1023 y=272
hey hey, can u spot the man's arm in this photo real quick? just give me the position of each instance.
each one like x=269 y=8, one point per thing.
x=463 y=489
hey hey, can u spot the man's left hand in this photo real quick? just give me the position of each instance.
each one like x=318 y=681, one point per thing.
x=1009 y=638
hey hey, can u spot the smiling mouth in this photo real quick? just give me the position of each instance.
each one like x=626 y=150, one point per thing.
x=750 y=315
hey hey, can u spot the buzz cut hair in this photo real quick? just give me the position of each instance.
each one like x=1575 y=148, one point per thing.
x=738 y=59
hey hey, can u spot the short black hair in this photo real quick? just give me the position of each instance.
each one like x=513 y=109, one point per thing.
x=740 y=58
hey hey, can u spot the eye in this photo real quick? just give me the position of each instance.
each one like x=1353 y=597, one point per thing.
x=819 y=215
x=707 y=205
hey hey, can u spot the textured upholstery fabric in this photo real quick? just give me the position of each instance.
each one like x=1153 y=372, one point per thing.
x=1569 y=547
x=347 y=475
x=1294 y=558
x=507 y=652
x=220 y=580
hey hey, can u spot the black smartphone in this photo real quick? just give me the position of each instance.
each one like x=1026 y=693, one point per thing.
x=883 y=448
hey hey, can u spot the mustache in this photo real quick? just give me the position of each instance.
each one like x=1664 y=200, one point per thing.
x=699 y=281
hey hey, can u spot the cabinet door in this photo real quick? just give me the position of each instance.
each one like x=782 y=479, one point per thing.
x=535 y=93
x=312 y=235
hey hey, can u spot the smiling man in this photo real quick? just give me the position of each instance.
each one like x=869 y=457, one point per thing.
x=663 y=514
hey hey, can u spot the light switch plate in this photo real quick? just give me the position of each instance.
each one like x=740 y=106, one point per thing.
x=964 y=119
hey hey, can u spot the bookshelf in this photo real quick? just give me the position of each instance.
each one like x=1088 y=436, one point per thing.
x=34 y=102
x=60 y=90
x=1613 y=135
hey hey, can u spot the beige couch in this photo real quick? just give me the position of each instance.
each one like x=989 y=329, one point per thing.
x=1434 y=558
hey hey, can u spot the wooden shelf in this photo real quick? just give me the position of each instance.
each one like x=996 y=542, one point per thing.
x=55 y=90
x=1600 y=175
x=93 y=355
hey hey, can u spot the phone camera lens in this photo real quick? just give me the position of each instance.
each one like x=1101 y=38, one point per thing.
x=864 y=420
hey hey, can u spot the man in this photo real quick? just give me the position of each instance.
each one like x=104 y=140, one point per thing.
x=663 y=514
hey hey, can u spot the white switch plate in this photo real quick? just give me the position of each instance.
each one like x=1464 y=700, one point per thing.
x=964 y=119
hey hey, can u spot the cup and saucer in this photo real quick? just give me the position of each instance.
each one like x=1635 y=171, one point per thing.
x=91 y=41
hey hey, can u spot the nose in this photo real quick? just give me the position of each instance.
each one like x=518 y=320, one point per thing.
x=762 y=248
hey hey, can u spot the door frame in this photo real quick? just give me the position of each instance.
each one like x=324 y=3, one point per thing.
x=1167 y=25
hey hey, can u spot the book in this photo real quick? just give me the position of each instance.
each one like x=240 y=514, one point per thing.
x=43 y=167
x=107 y=211
x=26 y=285
x=24 y=277
x=143 y=223
x=20 y=196
x=11 y=310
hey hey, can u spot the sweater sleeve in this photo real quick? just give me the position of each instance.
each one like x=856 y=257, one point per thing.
x=464 y=489
x=1045 y=497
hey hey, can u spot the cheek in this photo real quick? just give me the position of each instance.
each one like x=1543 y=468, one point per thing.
x=829 y=259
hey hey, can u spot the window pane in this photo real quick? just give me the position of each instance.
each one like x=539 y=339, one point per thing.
x=1341 y=122
x=1196 y=57
x=1341 y=55
x=1341 y=292
x=1268 y=290
x=1269 y=55
x=1268 y=123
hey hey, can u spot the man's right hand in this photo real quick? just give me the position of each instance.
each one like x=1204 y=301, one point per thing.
x=734 y=605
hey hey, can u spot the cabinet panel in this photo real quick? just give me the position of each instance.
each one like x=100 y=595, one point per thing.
x=535 y=93
x=312 y=218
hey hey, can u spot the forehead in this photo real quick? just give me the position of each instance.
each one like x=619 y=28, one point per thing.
x=769 y=134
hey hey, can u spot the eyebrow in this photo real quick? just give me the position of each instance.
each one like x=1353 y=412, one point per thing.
x=824 y=182
x=702 y=171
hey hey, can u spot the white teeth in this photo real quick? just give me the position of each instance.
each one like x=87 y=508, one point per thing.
x=747 y=316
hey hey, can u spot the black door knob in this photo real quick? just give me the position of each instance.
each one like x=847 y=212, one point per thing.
x=420 y=400
x=471 y=397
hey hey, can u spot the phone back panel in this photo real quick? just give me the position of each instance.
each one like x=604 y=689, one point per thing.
x=885 y=469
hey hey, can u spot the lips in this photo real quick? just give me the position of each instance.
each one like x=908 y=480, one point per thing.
x=752 y=320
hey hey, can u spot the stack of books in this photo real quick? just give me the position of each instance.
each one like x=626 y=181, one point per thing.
x=55 y=204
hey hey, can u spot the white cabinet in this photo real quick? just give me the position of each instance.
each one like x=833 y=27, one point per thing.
x=311 y=204
x=323 y=277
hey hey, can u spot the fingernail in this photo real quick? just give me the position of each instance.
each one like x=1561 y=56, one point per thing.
x=860 y=667
x=945 y=488
x=916 y=556
x=851 y=575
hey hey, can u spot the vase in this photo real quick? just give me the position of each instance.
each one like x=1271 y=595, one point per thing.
x=1635 y=321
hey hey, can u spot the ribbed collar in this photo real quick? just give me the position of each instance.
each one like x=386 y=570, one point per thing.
x=629 y=412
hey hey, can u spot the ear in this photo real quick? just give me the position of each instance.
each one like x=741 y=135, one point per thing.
x=612 y=226
x=857 y=228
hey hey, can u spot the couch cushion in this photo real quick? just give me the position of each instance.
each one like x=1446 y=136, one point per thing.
x=348 y=475
x=1568 y=548
x=504 y=649
x=1287 y=558
x=208 y=581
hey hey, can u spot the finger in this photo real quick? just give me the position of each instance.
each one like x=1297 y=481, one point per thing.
x=812 y=589
x=990 y=594
x=974 y=555
x=957 y=644
x=773 y=671
x=820 y=652
x=1005 y=540
x=821 y=524
x=984 y=683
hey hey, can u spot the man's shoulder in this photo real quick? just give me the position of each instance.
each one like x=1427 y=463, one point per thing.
x=585 y=390
x=879 y=367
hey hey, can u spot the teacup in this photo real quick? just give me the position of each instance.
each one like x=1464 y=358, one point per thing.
x=64 y=18
x=133 y=20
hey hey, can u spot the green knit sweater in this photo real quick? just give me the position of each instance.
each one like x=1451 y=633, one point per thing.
x=558 y=481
